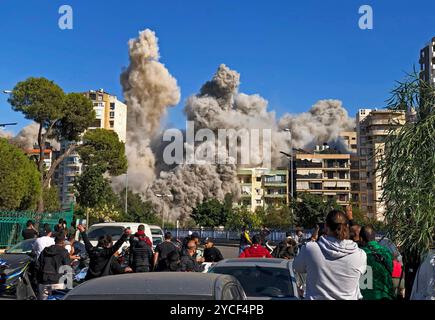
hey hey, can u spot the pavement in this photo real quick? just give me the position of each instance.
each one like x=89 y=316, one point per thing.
x=229 y=251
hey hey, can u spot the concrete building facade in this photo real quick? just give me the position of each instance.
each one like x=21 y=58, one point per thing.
x=427 y=62
x=111 y=114
x=372 y=128
x=262 y=187
x=324 y=174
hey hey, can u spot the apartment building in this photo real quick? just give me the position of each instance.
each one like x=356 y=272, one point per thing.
x=111 y=114
x=262 y=187
x=324 y=173
x=427 y=62
x=372 y=128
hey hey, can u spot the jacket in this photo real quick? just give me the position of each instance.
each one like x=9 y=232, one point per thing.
x=256 y=251
x=189 y=263
x=380 y=260
x=140 y=255
x=333 y=269
x=49 y=263
x=100 y=258
x=212 y=254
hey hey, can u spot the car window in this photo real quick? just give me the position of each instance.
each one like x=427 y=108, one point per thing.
x=22 y=247
x=156 y=231
x=261 y=282
x=231 y=292
x=114 y=231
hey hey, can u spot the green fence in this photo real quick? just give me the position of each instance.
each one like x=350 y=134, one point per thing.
x=13 y=222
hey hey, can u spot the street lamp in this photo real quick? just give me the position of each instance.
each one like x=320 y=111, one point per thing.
x=163 y=212
x=126 y=192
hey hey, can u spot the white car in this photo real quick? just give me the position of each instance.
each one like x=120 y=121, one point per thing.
x=157 y=235
x=115 y=229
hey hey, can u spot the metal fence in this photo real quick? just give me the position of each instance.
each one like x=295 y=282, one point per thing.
x=274 y=236
x=12 y=223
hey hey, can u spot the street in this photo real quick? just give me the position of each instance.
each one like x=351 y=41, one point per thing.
x=229 y=251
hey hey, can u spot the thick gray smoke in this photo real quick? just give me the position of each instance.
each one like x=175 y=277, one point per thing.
x=149 y=90
x=219 y=105
x=27 y=138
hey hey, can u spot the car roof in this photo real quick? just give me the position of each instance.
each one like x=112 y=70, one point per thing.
x=118 y=224
x=253 y=262
x=158 y=283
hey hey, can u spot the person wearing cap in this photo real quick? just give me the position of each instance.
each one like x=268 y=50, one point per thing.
x=211 y=253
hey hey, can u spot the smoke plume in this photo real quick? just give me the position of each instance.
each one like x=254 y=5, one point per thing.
x=149 y=90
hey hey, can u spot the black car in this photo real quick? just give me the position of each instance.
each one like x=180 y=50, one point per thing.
x=16 y=274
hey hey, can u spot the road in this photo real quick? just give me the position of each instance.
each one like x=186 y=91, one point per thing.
x=229 y=251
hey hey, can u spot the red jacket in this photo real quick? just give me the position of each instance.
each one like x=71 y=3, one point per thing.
x=256 y=251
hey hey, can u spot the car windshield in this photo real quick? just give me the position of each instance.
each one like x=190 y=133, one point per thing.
x=99 y=231
x=156 y=231
x=260 y=281
x=22 y=247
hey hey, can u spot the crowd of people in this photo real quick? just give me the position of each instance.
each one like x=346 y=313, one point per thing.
x=340 y=261
x=53 y=249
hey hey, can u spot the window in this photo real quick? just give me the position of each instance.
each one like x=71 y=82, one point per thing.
x=112 y=124
x=330 y=175
x=100 y=97
x=96 y=123
x=112 y=115
x=93 y=96
x=258 y=179
x=258 y=201
x=112 y=106
x=342 y=175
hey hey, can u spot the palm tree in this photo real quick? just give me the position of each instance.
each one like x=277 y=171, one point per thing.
x=408 y=172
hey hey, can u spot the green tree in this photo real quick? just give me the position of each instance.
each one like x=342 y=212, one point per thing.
x=51 y=199
x=103 y=148
x=211 y=213
x=312 y=209
x=93 y=189
x=138 y=210
x=278 y=217
x=407 y=169
x=20 y=185
x=60 y=116
x=243 y=217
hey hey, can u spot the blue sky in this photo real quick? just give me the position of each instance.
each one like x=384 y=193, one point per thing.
x=293 y=53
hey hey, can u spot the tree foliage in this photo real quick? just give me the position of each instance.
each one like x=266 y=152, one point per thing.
x=51 y=199
x=210 y=213
x=243 y=217
x=277 y=217
x=408 y=168
x=138 y=210
x=59 y=115
x=311 y=209
x=20 y=185
x=93 y=189
x=103 y=148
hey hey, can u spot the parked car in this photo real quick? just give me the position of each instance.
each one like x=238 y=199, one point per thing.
x=115 y=229
x=160 y=286
x=158 y=235
x=16 y=274
x=262 y=279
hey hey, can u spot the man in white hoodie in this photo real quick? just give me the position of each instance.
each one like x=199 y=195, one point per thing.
x=334 y=264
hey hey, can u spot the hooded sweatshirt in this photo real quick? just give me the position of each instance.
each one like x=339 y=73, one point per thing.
x=333 y=269
x=49 y=263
